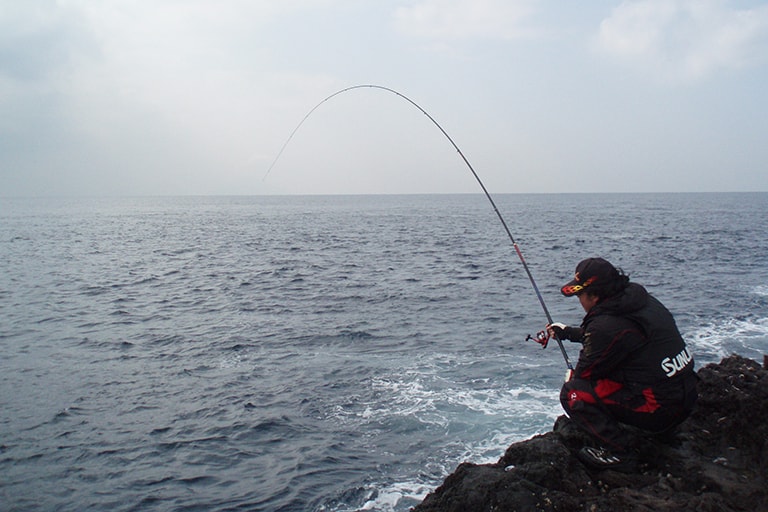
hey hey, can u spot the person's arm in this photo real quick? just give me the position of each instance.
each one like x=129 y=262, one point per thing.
x=605 y=349
x=565 y=332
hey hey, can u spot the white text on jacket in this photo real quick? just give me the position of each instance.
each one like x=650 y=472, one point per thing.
x=672 y=366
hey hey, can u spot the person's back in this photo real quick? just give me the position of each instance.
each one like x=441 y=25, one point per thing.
x=653 y=347
x=634 y=367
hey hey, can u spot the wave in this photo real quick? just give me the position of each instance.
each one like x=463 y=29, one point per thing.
x=390 y=359
x=744 y=336
x=396 y=496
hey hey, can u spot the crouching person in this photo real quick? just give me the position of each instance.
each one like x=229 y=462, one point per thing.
x=633 y=369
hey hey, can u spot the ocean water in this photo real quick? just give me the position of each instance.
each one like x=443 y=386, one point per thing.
x=321 y=353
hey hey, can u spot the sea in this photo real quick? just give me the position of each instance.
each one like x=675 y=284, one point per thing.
x=322 y=353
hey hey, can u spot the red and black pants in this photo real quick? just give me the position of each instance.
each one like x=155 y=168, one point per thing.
x=600 y=408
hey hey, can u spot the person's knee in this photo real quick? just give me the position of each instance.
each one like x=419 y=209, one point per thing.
x=565 y=397
x=576 y=393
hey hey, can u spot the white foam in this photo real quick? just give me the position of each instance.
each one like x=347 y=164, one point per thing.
x=398 y=496
x=715 y=340
x=230 y=361
x=438 y=402
x=476 y=419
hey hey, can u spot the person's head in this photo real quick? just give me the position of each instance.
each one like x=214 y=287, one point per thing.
x=595 y=280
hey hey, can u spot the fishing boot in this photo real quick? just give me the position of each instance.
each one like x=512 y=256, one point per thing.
x=600 y=459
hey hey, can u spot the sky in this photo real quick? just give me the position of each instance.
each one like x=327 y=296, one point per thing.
x=195 y=97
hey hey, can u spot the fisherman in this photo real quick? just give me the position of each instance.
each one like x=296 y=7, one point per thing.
x=633 y=369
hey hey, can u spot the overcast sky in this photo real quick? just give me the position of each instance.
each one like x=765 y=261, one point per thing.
x=157 y=97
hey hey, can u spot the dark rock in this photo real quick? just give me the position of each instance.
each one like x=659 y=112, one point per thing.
x=717 y=461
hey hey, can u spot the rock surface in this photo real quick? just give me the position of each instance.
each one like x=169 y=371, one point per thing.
x=717 y=461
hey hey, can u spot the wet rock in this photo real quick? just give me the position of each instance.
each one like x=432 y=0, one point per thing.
x=716 y=461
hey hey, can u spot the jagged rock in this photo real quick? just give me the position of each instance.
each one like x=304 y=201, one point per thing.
x=716 y=462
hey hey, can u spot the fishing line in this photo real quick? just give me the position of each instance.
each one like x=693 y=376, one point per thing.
x=541 y=336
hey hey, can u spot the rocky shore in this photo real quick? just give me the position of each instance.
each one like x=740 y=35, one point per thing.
x=717 y=461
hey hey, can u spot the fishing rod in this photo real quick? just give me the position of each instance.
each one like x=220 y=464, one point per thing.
x=542 y=337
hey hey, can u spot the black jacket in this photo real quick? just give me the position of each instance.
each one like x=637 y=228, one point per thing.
x=632 y=338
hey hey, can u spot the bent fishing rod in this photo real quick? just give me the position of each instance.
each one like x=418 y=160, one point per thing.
x=542 y=337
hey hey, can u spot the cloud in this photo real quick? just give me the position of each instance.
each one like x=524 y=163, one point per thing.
x=685 y=40
x=126 y=90
x=461 y=19
x=38 y=38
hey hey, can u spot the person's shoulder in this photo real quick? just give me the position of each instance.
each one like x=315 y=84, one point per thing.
x=636 y=292
x=609 y=321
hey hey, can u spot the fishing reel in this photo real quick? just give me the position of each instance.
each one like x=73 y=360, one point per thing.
x=542 y=338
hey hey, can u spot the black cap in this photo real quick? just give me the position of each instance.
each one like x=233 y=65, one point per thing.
x=590 y=272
